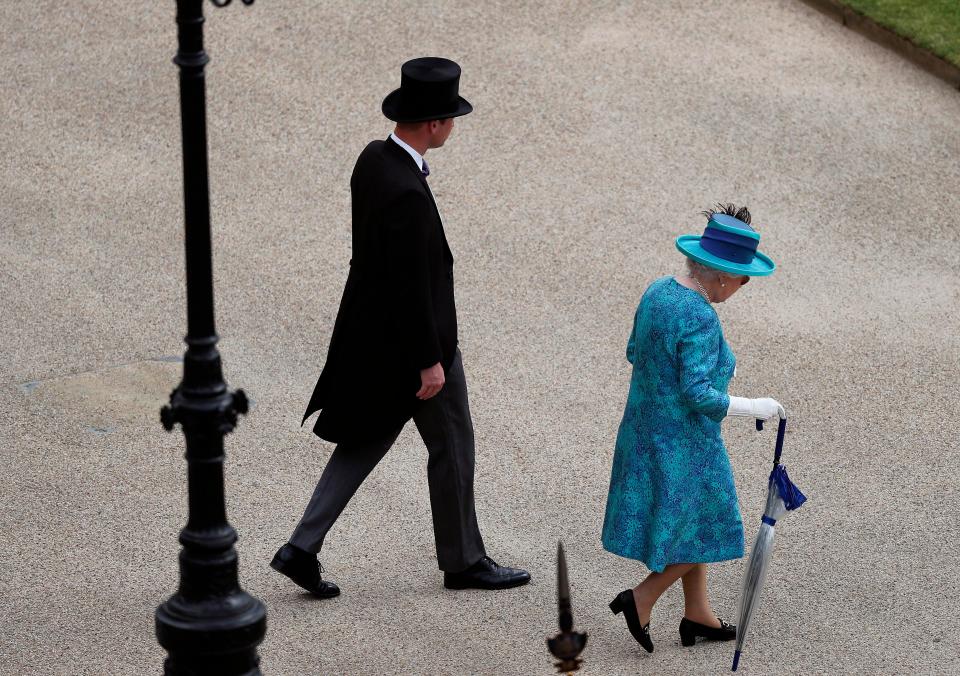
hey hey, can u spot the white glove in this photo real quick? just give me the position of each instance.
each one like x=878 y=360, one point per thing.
x=761 y=409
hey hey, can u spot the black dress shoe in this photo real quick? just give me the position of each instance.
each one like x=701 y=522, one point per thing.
x=486 y=574
x=690 y=630
x=304 y=569
x=625 y=604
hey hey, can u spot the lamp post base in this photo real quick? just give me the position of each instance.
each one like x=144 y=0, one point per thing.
x=216 y=636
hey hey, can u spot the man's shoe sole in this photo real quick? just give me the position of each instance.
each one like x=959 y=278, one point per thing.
x=466 y=585
x=273 y=564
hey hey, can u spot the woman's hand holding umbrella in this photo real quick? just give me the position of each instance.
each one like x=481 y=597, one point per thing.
x=764 y=408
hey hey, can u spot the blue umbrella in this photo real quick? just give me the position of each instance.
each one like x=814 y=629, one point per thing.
x=782 y=497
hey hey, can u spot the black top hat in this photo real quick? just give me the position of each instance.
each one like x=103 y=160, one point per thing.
x=428 y=91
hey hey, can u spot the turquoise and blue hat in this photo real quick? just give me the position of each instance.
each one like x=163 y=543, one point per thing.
x=729 y=245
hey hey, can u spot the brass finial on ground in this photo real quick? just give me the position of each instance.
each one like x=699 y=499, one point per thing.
x=568 y=644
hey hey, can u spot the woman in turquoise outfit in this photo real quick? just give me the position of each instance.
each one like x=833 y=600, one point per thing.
x=672 y=503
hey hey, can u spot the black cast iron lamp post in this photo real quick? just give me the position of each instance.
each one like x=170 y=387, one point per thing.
x=568 y=644
x=210 y=625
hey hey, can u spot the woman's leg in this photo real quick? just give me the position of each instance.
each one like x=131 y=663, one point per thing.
x=696 y=605
x=647 y=592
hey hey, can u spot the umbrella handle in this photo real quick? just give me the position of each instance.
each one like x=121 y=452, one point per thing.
x=781 y=430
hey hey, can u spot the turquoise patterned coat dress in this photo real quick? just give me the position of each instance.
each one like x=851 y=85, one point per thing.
x=672 y=497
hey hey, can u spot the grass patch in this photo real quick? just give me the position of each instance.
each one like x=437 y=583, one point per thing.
x=933 y=25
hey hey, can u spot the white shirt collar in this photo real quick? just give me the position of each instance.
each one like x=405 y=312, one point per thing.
x=417 y=157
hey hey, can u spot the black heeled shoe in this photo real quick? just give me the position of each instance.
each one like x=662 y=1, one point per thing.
x=690 y=630
x=625 y=604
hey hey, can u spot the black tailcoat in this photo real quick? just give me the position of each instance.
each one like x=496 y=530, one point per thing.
x=397 y=315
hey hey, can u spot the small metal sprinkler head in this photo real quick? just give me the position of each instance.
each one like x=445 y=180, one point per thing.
x=568 y=644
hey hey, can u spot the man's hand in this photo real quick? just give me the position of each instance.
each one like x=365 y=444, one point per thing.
x=431 y=381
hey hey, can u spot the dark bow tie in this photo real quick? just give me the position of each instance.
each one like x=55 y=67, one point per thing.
x=426 y=170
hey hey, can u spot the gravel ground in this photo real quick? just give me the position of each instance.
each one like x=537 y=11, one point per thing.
x=601 y=130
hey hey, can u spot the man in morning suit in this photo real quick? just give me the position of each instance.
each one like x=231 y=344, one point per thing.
x=393 y=353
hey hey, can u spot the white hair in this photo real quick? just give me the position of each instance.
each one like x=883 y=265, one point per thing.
x=701 y=271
